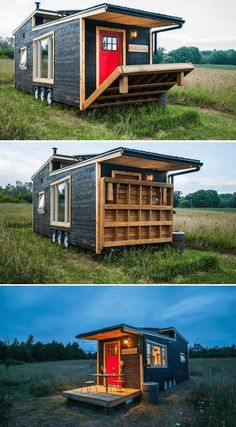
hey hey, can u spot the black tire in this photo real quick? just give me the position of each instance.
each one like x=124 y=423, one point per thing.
x=36 y=93
x=59 y=238
x=42 y=94
x=54 y=236
x=49 y=97
x=66 y=240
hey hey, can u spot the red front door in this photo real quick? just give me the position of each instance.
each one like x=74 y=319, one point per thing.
x=110 y=53
x=112 y=360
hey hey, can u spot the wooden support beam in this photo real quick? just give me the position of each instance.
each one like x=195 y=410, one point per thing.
x=123 y=85
x=180 y=78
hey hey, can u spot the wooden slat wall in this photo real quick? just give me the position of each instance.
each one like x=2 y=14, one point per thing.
x=141 y=212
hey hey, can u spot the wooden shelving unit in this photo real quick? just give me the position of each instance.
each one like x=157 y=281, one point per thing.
x=135 y=212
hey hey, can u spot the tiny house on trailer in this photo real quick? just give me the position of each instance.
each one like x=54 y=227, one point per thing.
x=95 y=57
x=135 y=356
x=118 y=198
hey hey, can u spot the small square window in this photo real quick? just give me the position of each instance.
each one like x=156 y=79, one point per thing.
x=23 y=58
x=41 y=203
x=109 y=43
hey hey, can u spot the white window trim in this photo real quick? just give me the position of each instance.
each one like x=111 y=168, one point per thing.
x=185 y=358
x=153 y=343
x=42 y=79
x=24 y=67
x=53 y=202
x=43 y=210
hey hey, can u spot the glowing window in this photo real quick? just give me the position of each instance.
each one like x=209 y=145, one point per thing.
x=156 y=355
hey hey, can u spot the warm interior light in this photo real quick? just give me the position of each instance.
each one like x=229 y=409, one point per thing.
x=126 y=341
x=148 y=177
x=133 y=34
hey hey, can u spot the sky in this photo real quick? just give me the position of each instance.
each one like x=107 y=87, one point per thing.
x=204 y=315
x=209 y=23
x=20 y=160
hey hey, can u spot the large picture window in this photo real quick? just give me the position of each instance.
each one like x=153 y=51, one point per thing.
x=43 y=58
x=60 y=202
x=156 y=355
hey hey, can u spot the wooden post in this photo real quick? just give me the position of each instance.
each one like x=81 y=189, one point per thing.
x=180 y=78
x=123 y=85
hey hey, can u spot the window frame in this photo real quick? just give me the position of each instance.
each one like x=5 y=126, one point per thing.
x=54 y=203
x=42 y=211
x=24 y=67
x=181 y=354
x=37 y=54
x=155 y=344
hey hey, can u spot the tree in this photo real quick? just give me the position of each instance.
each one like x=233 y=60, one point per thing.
x=185 y=204
x=159 y=55
x=177 y=198
x=186 y=54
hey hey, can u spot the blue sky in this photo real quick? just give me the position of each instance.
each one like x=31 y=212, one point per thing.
x=19 y=160
x=209 y=23
x=202 y=314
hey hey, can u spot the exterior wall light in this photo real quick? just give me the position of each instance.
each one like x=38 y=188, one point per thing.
x=133 y=34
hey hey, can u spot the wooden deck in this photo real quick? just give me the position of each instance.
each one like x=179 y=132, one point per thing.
x=98 y=396
x=131 y=84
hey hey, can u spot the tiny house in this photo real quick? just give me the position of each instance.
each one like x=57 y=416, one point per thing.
x=96 y=57
x=137 y=356
x=122 y=197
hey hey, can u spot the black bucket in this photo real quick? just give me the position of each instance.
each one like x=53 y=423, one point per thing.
x=151 y=392
x=178 y=240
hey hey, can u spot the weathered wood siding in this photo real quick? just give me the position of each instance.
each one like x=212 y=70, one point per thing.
x=106 y=170
x=132 y=58
x=131 y=368
x=83 y=204
x=175 y=369
x=66 y=87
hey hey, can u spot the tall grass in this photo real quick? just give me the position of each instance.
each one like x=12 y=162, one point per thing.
x=215 y=397
x=208 y=229
x=157 y=265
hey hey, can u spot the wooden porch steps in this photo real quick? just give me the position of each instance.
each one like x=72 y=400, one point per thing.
x=132 y=84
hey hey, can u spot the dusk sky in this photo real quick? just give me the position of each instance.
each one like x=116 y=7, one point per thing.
x=209 y=23
x=204 y=315
x=20 y=160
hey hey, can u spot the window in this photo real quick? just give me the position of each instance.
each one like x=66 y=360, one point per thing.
x=60 y=202
x=182 y=358
x=109 y=43
x=41 y=203
x=156 y=355
x=23 y=58
x=43 y=59
x=112 y=350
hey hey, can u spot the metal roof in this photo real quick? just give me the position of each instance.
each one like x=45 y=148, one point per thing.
x=126 y=328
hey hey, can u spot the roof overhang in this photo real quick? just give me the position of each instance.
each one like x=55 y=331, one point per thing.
x=118 y=331
x=111 y=14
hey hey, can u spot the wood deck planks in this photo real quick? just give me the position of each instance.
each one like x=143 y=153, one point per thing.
x=99 y=397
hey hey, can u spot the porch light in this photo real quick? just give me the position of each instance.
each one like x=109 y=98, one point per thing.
x=148 y=177
x=133 y=34
x=126 y=341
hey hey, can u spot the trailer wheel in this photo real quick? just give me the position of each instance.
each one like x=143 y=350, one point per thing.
x=59 y=238
x=36 y=93
x=42 y=94
x=49 y=97
x=174 y=382
x=54 y=236
x=165 y=385
x=66 y=240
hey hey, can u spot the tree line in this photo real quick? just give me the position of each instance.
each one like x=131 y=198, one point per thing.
x=183 y=54
x=16 y=193
x=36 y=351
x=194 y=55
x=198 y=350
x=205 y=199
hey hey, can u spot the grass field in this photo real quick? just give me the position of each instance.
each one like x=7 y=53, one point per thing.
x=208 y=258
x=30 y=395
x=205 y=109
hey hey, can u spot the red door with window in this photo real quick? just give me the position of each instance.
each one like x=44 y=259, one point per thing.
x=111 y=360
x=110 y=53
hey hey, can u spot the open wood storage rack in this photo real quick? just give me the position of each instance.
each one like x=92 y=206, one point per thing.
x=135 y=212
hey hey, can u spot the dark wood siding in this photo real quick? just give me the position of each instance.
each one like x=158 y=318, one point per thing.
x=107 y=168
x=175 y=369
x=132 y=58
x=66 y=87
x=83 y=202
